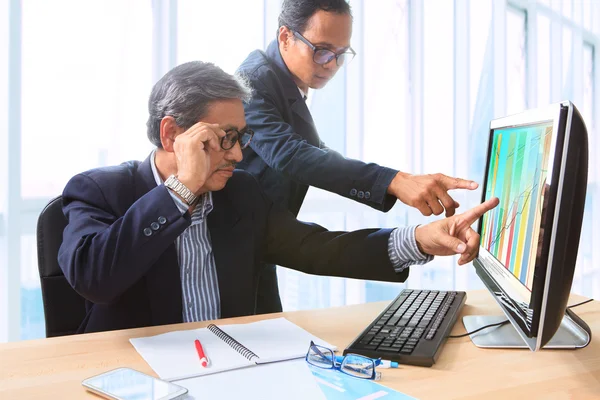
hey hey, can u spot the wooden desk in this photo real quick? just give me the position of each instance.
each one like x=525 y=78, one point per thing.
x=54 y=368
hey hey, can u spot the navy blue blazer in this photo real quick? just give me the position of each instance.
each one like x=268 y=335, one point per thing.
x=286 y=154
x=132 y=280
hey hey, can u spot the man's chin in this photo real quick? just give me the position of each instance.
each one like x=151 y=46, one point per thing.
x=216 y=183
x=318 y=84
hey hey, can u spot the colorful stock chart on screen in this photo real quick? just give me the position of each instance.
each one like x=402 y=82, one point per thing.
x=517 y=176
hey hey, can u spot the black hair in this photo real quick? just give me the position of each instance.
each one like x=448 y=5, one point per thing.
x=296 y=13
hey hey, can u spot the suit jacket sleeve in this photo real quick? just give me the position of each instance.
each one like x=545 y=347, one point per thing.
x=287 y=152
x=103 y=254
x=310 y=248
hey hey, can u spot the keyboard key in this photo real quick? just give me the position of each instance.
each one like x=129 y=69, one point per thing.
x=424 y=322
x=367 y=338
x=417 y=333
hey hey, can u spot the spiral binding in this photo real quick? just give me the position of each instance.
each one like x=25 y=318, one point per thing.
x=234 y=344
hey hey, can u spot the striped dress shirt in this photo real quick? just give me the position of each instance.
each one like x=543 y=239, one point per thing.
x=199 y=283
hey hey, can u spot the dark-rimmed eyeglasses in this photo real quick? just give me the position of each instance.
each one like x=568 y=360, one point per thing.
x=323 y=56
x=233 y=136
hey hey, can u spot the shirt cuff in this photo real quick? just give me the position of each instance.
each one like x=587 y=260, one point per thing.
x=178 y=202
x=403 y=249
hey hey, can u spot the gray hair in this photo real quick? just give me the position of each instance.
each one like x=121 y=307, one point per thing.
x=186 y=93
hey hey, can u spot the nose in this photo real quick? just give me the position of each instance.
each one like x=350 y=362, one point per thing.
x=234 y=154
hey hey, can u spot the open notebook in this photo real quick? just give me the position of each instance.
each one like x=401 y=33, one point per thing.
x=173 y=355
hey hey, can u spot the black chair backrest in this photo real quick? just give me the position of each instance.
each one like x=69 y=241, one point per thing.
x=64 y=308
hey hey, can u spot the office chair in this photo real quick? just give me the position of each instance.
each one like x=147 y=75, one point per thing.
x=64 y=308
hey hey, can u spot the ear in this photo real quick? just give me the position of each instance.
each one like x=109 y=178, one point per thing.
x=168 y=131
x=285 y=37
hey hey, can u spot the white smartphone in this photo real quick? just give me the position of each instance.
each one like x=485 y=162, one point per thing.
x=129 y=384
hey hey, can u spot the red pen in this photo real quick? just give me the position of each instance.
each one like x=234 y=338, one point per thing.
x=200 y=350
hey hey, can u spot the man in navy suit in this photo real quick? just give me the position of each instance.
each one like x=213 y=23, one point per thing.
x=287 y=155
x=181 y=236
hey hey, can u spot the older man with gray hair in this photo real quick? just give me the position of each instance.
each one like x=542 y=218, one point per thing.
x=181 y=236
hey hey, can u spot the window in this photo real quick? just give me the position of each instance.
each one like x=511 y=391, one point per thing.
x=543 y=61
x=587 y=108
x=588 y=14
x=480 y=48
x=77 y=100
x=567 y=8
x=438 y=77
x=386 y=33
x=438 y=115
x=516 y=65
x=222 y=32
x=481 y=84
x=587 y=279
x=84 y=102
x=567 y=64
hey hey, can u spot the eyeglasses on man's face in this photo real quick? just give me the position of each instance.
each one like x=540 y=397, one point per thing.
x=351 y=364
x=323 y=56
x=233 y=136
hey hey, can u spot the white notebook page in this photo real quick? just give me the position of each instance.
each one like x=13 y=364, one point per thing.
x=274 y=339
x=173 y=355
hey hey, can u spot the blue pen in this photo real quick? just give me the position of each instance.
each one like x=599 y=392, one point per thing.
x=378 y=362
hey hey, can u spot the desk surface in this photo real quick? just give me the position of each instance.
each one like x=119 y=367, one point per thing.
x=54 y=368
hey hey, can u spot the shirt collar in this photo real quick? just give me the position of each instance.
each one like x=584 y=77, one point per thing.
x=302 y=93
x=205 y=200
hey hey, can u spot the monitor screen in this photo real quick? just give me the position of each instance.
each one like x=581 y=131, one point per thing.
x=518 y=176
x=519 y=173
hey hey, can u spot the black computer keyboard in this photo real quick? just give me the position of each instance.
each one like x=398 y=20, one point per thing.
x=412 y=329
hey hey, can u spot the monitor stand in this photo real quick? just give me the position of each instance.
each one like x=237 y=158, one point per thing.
x=573 y=333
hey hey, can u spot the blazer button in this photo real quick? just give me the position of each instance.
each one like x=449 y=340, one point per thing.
x=155 y=226
x=147 y=231
x=353 y=192
x=367 y=195
x=361 y=195
x=162 y=220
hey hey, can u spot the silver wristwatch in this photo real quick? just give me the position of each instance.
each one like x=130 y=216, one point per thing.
x=186 y=194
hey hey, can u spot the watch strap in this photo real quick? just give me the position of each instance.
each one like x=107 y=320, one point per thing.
x=186 y=194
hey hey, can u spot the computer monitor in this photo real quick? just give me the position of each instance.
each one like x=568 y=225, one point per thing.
x=537 y=166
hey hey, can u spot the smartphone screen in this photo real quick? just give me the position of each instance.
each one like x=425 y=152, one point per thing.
x=129 y=384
